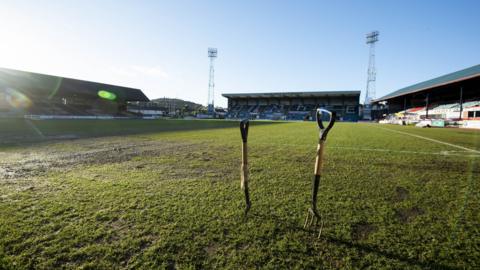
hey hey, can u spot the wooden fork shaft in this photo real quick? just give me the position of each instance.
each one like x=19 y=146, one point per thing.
x=244 y=167
x=319 y=158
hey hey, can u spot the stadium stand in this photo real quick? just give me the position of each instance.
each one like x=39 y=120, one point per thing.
x=451 y=97
x=293 y=105
x=26 y=93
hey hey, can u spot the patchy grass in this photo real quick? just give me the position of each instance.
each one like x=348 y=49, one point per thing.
x=168 y=196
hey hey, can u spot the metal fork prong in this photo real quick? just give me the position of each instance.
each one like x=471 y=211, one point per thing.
x=320 y=230
x=306 y=221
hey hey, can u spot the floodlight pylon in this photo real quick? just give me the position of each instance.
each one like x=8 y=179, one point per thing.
x=372 y=38
x=212 y=54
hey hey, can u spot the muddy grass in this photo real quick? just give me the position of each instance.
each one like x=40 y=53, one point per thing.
x=173 y=201
x=46 y=159
x=26 y=169
x=94 y=151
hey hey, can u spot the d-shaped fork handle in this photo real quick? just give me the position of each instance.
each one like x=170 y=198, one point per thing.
x=324 y=130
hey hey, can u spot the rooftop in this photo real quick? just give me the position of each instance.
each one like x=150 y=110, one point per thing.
x=293 y=94
x=43 y=85
x=454 y=77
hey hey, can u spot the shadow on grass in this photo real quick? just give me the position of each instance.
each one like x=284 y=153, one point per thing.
x=14 y=132
x=389 y=255
x=293 y=226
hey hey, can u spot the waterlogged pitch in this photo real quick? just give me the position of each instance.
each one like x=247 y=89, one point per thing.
x=166 y=194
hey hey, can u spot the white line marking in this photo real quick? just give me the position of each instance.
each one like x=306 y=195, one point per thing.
x=443 y=153
x=432 y=140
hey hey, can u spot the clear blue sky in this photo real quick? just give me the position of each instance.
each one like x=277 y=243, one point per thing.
x=161 y=46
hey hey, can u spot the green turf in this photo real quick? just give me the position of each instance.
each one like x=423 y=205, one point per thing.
x=24 y=130
x=389 y=200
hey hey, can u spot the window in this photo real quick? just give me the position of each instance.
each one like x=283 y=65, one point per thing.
x=350 y=109
x=471 y=114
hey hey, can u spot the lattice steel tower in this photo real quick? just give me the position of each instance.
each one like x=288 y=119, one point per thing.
x=372 y=38
x=212 y=54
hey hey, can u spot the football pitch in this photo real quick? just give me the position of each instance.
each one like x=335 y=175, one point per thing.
x=165 y=194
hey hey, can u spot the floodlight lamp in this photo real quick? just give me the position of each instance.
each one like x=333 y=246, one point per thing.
x=372 y=37
x=212 y=52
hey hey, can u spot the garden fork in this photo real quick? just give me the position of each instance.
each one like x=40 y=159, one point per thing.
x=313 y=217
x=244 y=167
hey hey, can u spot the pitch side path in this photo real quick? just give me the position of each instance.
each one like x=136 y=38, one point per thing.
x=166 y=194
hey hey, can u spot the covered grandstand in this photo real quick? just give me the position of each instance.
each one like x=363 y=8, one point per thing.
x=454 y=97
x=293 y=105
x=26 y=93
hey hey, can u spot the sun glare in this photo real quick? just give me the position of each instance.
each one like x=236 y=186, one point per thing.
x=17 y=99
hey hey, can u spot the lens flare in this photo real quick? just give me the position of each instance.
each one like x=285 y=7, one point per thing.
x=56 y=87
x=107 y=95
x=17 y=99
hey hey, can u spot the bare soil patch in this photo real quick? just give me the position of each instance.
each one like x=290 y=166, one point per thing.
x=401 y=194
x=361 y=230
x=408 y=214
